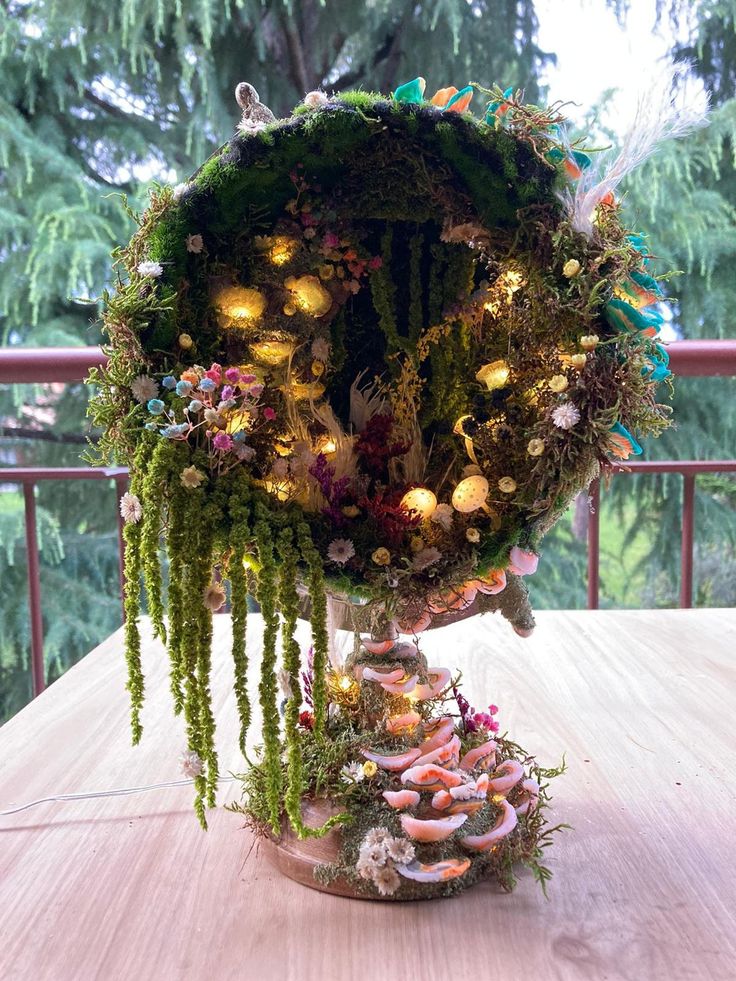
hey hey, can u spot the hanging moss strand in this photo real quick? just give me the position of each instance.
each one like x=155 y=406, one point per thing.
x=209 y=520
x=132 y=607
x=189 y=644
x=154 y=485
x=266 y=595
x=179 y=557
x=239 y=538
x=318 y=599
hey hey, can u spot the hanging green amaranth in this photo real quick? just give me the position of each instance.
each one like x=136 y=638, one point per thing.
x=240 y=537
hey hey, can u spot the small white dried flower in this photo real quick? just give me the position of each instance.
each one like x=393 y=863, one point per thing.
x=472 y=535
x=320 y=349
x=191 y=764
x=131 y=509
x=442 y=516
x=387 y=880
x=340 y=550
x=566 y=416
x=144 y=389
x=244 y=452
x=179 y=191
x=315 y=99
x=353 y=772
x=377 y=836
x=401 y=851
x=151 y=269
x=195 y=244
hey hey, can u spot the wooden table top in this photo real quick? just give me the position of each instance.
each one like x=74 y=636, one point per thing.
x=642 y=704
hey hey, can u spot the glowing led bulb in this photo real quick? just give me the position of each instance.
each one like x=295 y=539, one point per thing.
x=470 y=494
x=421 y=500
x=493 y=375
x=238 y=306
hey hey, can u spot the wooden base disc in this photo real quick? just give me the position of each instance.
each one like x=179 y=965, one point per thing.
x=298 y=858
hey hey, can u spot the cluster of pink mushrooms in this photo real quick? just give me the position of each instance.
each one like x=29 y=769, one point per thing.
x=440 y=787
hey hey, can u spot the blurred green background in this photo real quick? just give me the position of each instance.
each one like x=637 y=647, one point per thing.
x=97 y=100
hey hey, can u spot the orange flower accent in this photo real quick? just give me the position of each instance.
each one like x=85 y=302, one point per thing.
x=443 y=96
x=190 y=376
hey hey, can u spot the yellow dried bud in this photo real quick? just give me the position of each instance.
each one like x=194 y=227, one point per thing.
x=507 y=485
x=318 y=369
x=589 y=342
x=289 y=309
x=381 y=556
x=558 y=383
x=535 y=447
x=185 y=342
x=571 y=268
x=578 y=361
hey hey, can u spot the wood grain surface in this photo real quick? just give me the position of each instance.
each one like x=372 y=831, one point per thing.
x=642 y=703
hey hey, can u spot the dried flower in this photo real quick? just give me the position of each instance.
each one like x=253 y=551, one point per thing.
x=351 y=511
x=178 y=191
x=195 y=243
x=191 y=477
x=185 y=342
x=223 y=442
x=369 y=769
x=353 y=772
x=472 y=535
x=214 y=596
x=377 y=836
x=507 y=485
x=131 y=509
x=578 y=361
x=340 y=550
x=151 y=269
x=565 y=416
x=442 y=515
x=571 y=268
x=143 y=388
x=589 y=342
x=320 y=349
x=315 y=99
x=387 y=880
x=535 y=447
x=191 y=764
x=381 y=556
x=558 y=383
x=425 y=558
x=401 y=851
x=417 y=543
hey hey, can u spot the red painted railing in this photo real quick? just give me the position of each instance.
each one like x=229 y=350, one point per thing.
x=39 y=365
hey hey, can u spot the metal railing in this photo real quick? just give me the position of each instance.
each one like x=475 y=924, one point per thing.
x=44 y=365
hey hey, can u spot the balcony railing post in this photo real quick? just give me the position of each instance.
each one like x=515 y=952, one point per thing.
x=594 y=535
x=121 y=485
x=686 y=549
x=38 y=669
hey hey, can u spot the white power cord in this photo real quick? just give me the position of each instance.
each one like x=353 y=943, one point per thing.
x=121 y=792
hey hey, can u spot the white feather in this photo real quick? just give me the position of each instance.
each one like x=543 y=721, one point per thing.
x=664 y=112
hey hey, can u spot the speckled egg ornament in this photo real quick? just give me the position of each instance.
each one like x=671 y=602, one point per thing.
x=359 y=365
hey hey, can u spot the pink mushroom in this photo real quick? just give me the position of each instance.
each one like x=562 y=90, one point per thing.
x=494 y=582
x=377 y=646
x=430 y=777
x=401 y=687
x=447 y=755
x=522 y=563
x=382 y=677
x=483 y=756
x=398 y=723
x=512 y=774
x=438 y=732
x=529 y=797
x=448 y=868
x=439 y=679
x=504 y=825
x=432 y=829
x=400 y=799
x=394 y=763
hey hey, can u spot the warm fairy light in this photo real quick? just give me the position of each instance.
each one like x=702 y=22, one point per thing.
x=273 y=351
x=235 y=421
x=511 y=281
x=345 y=682
x=238 y=306
x=301 y=391
x=251 y=564
x=470 y=494
x=327 y=445
x=309 y=294
x=493 y=375
x=282 y=249
x=280 y=489
x=421 y=500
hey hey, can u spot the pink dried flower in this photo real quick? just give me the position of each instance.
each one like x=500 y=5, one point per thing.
x=233 y=375
x=222 y=441
x=375 y=263
x=269 y=413
x=331 y=240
